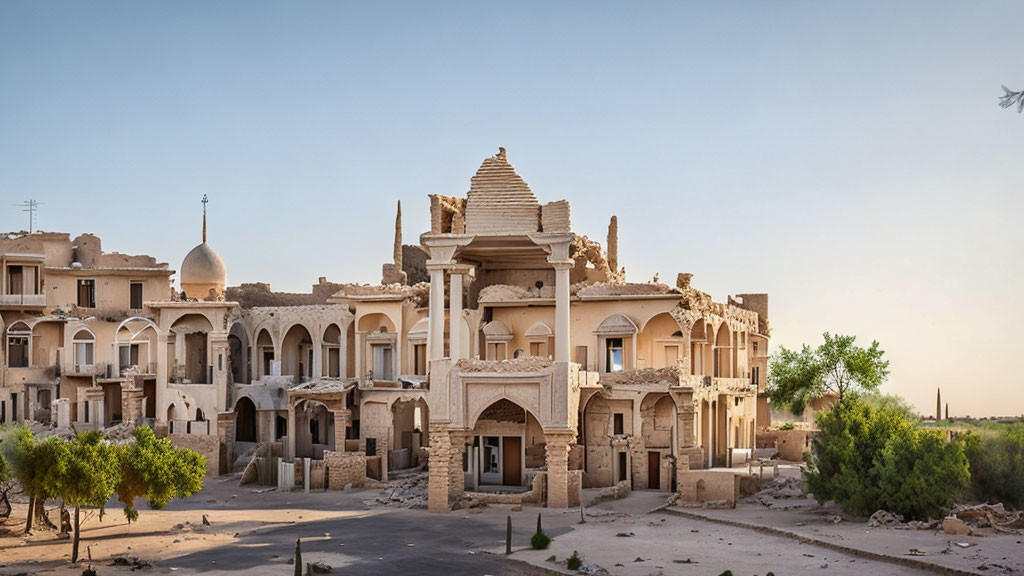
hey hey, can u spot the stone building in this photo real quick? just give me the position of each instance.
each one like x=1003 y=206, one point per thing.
x=525 y=368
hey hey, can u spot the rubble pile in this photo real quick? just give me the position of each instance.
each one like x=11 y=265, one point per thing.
x=406 y=490
x=785 y=489
x=119 y=434
x=993 y=516
x=963 y=520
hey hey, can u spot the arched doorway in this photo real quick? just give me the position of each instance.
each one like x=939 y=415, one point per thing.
x=245 y=420
x=507 y=442
x=297 y=353
x=238 y=354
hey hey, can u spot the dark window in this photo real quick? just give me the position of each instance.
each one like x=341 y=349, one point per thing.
x=617 y=423
x=755 y=376
x=17 y=351
x=136 y=296
x=86 y=293
x=3 y=411
x=314 y=430
x=622 y=466
x=281 y=428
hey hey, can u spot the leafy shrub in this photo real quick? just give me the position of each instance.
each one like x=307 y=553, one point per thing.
x=540 y=541
x=574 y=562
x=872 y=455
x=997 y=464
x=787 y=426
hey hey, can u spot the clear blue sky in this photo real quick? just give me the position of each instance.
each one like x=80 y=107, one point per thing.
x=847 y=158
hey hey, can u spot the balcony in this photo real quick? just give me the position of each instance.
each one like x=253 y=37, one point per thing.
x=99 y=369
x=23 y=300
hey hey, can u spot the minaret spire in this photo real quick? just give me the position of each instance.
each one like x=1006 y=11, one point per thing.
x=205 y=201
x=398 y=237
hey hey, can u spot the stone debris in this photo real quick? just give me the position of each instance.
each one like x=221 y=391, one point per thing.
x=884 y=518
x=127 y=560
x=405 y=490
x=994 y=516
x=774 y=490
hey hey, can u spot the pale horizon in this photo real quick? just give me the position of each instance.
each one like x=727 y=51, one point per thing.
x=850 y=161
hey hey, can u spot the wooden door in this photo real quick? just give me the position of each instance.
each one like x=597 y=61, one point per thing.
x=511 y=461
x=654 y=470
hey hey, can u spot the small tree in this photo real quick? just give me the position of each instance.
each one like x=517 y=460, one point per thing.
x=6 y=483
x=154 y=469
x=836 y=366
x=91 y=474
x=35 y=466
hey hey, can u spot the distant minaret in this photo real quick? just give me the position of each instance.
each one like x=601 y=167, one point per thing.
x=947 y=410
x=398 y=237
x=938 y=404
x=205 y=201
x=613 y=244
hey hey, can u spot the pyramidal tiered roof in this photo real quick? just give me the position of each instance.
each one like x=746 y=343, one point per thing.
x=499 y=200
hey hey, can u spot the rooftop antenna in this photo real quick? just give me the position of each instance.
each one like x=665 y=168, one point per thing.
x=30 y=206
x=205 y=202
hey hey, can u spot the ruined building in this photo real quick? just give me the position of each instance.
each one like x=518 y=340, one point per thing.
x=525 y=366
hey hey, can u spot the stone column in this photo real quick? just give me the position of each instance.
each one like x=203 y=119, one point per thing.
x=343 y=352
x=435 y=321
x=456 y=476
x=162 y=368
x=341 y=420
x=562 y=311
x=557 y=445
x=360 y=350
x=455 y=315
x=318 y=359
x=439 y=463
x=291 y=429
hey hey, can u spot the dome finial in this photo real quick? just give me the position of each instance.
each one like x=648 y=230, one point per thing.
x=205 y=201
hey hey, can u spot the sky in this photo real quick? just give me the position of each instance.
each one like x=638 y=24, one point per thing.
x=847 y=158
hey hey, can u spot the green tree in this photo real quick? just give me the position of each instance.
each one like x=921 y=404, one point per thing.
x=6 y=484
x=997 y=464
x=872 y=455
x=837 y=366
x=90 y=475
x=154 y=469
x=35 y=466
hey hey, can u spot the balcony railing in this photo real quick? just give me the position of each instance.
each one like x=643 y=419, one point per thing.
x=31 y=300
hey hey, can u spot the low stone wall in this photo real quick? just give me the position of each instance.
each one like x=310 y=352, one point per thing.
x=791 y=444
x=207 y=445
x=345 y=468
x=698 y=487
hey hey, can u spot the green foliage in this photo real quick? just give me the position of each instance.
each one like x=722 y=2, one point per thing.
x=872 y=455
x=836 y=366
x=574 y=562
x=5 y=473
x=787 y=426
x=91 y=471
x=540 y=540
x=996 y=459
x=154 y=469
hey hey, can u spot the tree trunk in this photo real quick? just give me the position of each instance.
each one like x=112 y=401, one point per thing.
x=78 y=532
x=31 y=512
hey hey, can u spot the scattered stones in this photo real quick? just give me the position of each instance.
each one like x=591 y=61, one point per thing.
x=884 y=518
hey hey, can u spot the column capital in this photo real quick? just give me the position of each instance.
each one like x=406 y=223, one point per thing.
x=562 y=264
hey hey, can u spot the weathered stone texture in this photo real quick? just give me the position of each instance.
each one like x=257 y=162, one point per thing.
x=344 y=468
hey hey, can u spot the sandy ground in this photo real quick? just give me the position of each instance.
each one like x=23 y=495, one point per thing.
x=254 y=532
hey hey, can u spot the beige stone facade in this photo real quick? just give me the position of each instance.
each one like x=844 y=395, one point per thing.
x=523 y=365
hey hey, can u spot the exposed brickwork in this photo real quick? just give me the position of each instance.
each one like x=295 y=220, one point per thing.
x=345 y=468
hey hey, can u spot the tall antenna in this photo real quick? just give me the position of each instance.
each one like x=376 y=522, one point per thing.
x=205 y=202
x=30 y=206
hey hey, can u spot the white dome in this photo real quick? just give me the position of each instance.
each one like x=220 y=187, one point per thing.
x=203 y=266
